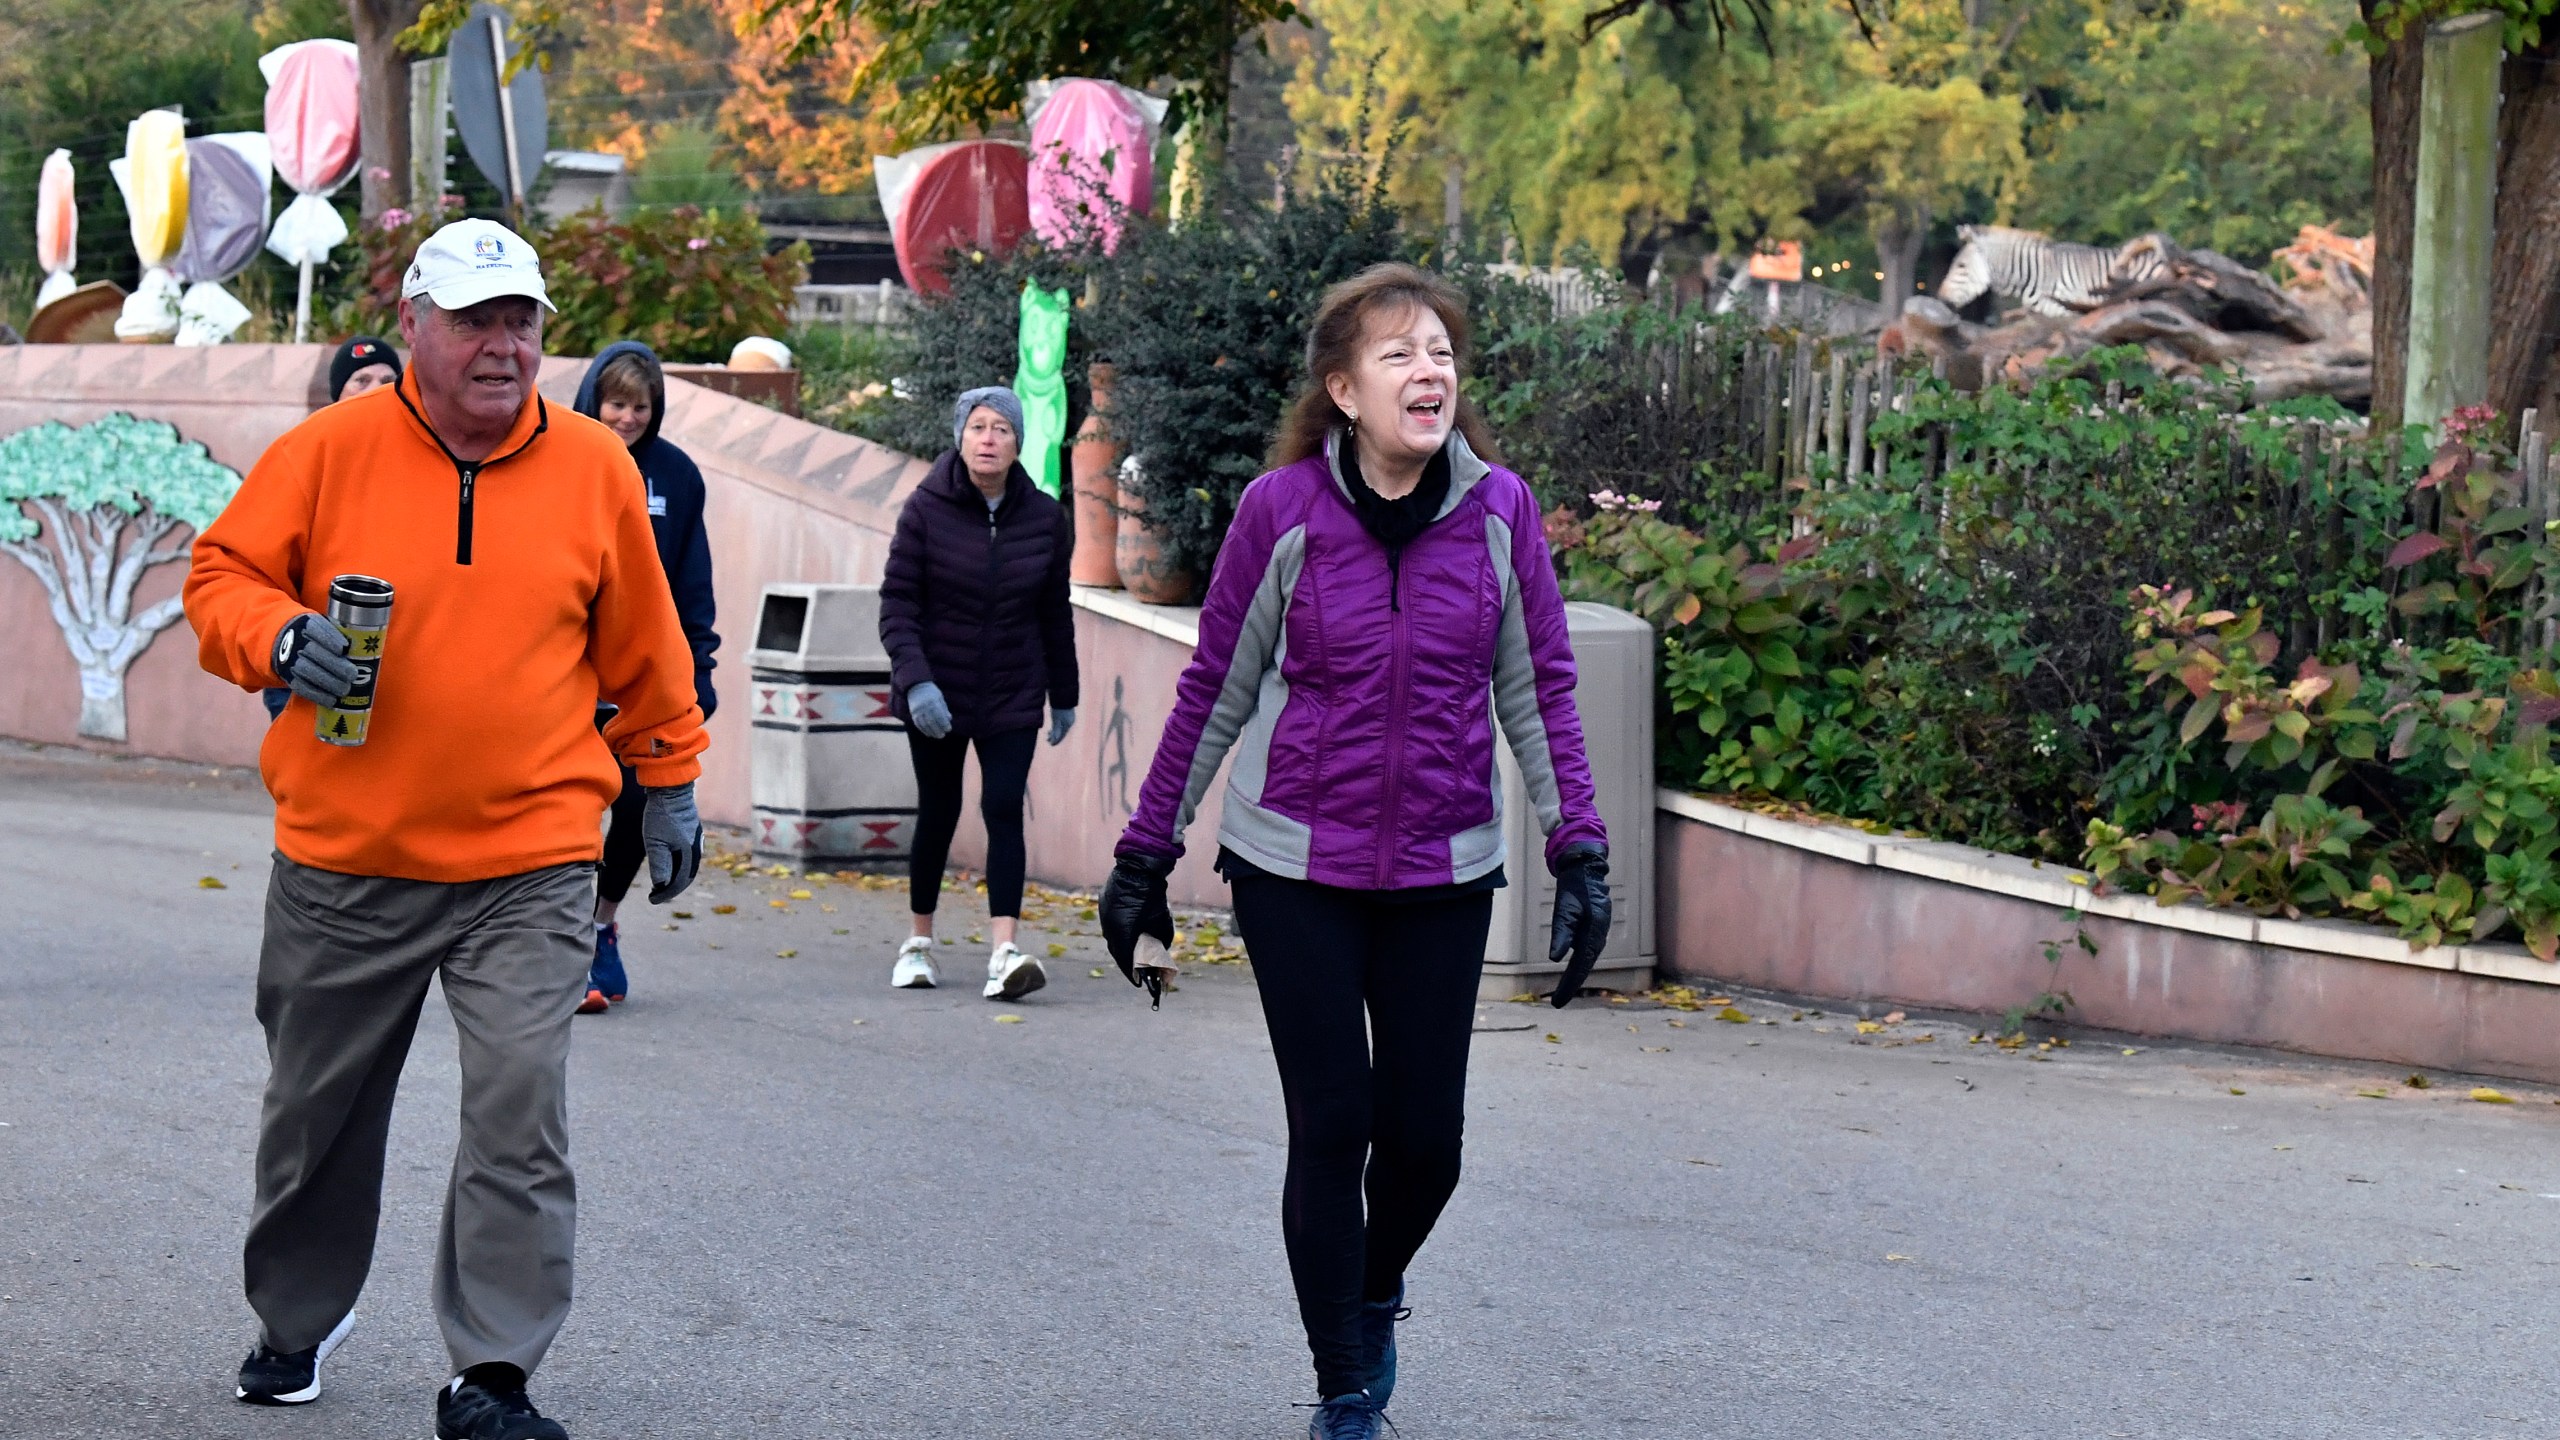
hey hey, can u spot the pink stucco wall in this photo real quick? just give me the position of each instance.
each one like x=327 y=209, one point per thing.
x=788 y=501
x=1748 y=911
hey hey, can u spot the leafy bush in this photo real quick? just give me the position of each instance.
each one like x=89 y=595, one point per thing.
x=2428 y=800
x=688 y=283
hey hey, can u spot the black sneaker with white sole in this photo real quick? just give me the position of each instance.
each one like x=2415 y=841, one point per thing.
x=278 y=1377
x=476 y=1410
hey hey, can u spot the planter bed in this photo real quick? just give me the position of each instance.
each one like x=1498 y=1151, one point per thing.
x=1831 y=911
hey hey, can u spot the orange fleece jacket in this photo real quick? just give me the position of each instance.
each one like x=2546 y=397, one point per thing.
x=482 y=758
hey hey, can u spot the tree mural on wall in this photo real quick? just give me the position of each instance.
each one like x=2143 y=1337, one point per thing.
x=86 y=511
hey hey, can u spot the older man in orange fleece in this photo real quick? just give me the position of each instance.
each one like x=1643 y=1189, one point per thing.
x=458 y=842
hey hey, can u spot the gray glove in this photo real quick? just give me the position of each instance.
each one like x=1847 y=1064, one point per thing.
x=311 y=659
x=1060 y=722
x=672 y=833
x=930 y=713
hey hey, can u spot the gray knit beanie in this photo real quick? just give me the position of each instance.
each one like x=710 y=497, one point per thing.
x=998 y=398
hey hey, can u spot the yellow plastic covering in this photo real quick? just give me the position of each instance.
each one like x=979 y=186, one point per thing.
x=155 y=152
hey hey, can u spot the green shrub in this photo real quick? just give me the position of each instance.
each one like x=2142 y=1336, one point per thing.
x=688 y=283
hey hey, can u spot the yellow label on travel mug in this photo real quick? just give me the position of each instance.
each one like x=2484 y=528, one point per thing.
x=360 y=606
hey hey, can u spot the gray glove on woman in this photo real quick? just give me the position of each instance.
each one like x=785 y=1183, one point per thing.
x=928 y=711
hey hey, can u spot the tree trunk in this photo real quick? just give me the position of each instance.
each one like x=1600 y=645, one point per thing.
x=383 y=72
x=2396 y=76
x=1898 y=242
x=102 y=704
x=2525 y=260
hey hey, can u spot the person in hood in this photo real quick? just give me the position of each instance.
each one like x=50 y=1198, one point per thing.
x=626 y=388
x=1383 y=598
x=974 y=615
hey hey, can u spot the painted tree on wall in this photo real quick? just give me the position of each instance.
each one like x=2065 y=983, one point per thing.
x=87 y=510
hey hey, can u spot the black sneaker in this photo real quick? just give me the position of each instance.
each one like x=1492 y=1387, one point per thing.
x=275 y=1377
x=466 y=1410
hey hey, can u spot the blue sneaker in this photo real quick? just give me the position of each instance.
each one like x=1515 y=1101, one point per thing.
x=606 y=976
x=1355 y=1416
x=1378 y=1336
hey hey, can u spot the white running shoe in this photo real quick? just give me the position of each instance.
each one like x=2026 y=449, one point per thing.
x=1012 y=974
x=915 y=965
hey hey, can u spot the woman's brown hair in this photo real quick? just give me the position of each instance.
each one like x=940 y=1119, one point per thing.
x=1333 y=348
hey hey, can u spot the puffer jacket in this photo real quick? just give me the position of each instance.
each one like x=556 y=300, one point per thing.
x=1359 y=696
x=976 y=602
x=676 y=498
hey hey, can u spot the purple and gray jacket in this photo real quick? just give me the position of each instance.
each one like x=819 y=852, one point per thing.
x=1360 y=699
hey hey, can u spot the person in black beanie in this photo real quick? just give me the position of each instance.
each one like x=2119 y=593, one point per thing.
x=361 y=365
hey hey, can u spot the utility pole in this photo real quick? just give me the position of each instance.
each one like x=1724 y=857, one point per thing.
x=2457 y=191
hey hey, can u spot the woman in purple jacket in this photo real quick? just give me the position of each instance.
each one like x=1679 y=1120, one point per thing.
x=1383 y=598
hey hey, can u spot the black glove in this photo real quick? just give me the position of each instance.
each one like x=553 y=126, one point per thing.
x=311 y=659
x=1582 y=915
x=1133 y=904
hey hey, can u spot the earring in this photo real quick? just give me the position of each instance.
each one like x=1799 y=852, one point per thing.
x=1351 y=415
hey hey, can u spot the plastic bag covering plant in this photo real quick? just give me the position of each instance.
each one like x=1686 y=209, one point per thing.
x=1759 y=682
x=86 y=511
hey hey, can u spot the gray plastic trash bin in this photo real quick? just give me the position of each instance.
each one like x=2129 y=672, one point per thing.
x=1614 y=653
x=828 y=768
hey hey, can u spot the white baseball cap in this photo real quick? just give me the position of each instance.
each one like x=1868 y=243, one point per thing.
x=469 y=261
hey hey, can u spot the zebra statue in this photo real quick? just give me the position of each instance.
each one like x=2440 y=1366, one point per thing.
x=2047 y=276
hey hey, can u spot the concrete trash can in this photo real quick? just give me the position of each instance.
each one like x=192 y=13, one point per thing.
x=828 y=770
x=1614 y=653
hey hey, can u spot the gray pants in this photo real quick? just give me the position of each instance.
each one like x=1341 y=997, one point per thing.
x=341 y=978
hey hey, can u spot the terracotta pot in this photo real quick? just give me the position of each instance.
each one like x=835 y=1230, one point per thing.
x=1144 y=571
x=1094 y=463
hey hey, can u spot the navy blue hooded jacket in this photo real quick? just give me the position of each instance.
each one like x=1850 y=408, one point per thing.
x=675 y=513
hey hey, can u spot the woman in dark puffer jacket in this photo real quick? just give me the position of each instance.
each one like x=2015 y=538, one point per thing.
x=974 y=615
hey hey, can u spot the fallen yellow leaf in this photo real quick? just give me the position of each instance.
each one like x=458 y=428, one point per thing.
x=1097 y=974
x=784 y=954
x=1731 y=1016
x=1008 y=1019
x=2487 y=1096
x=1868 y=1027
x=803 y=895
x=1717 y=1000
x=684 y=914
x=2236 y=1090
x=724 y=909
x=2375 y=1094
x=779 y=904
x=1056 y=950
x=209 y=883
x=1554 y=1039
x=2129 y=1050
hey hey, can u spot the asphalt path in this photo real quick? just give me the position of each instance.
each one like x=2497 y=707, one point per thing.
x=812 y=1206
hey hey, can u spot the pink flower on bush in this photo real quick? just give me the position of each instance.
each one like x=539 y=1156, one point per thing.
x=1610 y=501
x=393 y=218
x=2471 y=422
x=698 y=242
x=378 y=174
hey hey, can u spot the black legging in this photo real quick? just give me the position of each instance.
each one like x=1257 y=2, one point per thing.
x=624 y=841
x=1322 y=956
x=1004 y=772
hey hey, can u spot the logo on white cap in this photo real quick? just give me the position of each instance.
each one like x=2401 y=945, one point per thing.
x=470 y=261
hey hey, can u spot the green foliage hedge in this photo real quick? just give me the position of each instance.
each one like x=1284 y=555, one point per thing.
x=688 y=283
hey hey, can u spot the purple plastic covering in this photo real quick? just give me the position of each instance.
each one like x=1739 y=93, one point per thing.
x=226 y=213
x=1091 y=140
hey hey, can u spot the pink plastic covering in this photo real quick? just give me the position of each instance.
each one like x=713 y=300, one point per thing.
x=57 y=215
x=312 y=117
x=1092 y=140
x=974 y=195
